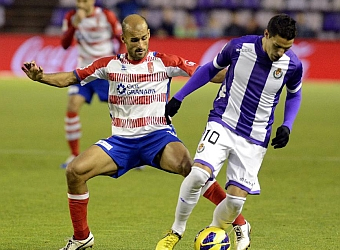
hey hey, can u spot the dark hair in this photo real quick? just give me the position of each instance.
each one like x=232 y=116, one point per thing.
x=282 y=25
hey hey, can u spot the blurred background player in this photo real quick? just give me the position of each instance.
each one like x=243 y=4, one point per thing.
x=95 y=29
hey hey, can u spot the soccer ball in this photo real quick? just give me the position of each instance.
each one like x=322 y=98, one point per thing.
x=212 y=238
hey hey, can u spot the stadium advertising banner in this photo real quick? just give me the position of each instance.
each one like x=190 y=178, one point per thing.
x=319 y=58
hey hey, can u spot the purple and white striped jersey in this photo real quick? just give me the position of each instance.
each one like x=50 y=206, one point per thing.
x=247 y=98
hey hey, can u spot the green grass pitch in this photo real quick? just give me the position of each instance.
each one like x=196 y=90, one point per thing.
x=298 y=209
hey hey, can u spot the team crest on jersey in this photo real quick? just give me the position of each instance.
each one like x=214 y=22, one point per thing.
x=150 y=67
x=133 y=89
x=277 y=73
x=200 y=147
x=121 y=88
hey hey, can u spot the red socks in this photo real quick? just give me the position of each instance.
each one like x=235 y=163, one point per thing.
x=215 y=193
x=78 y=212
x=73 y=131
x=239 y=220
x=74 y=146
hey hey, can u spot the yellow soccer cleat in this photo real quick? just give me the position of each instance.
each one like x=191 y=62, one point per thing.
x=169 y=241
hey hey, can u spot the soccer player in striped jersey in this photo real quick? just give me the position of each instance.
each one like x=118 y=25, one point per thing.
x=240 y=124
x=141 y=134
x=95 y=30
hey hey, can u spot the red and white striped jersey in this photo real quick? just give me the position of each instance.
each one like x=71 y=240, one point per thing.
x=138 y=90
x=94 y=35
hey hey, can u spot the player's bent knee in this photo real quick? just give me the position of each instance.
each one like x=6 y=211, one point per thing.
x=70 y=171
x=236 y=191
x=197 y=177
x=235 y=203
x=182 y=167
x=186 y=169
x=184 y=164
x=74 y=171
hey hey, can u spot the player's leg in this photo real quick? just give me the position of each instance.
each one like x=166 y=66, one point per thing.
x=175 y=158
x=189 y=194
x=92 y=162
x=227 y=211
x=214 y=192
x=244 y=164
x=77 y=96
x=100 y=159
x=72 y=122
x=171 y=155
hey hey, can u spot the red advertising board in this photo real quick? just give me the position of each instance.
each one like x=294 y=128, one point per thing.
x=319 y=58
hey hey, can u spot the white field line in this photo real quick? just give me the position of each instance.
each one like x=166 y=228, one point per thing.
x=31 y=152
x=63 y=153
x=304 y=158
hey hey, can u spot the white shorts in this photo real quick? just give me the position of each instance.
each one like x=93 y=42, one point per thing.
x=219 y=144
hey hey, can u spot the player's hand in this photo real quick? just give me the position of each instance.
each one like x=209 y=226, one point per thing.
x=33 y=71
x=282 y=137
x=78 y=17
x=171 y=109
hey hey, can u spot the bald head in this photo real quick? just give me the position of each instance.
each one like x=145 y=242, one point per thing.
x=134 y=22
x=136 y=35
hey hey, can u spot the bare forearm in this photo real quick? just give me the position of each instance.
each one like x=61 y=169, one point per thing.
x=60 y=80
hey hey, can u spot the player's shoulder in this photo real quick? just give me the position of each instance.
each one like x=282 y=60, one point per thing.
x=169 y=59
x=104 y=61
x=245 y=39
x=293 y=58
x=237 y=43
x=159 y=54
x=175 y=61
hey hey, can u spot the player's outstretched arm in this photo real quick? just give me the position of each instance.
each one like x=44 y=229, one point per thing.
x=60 y=80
